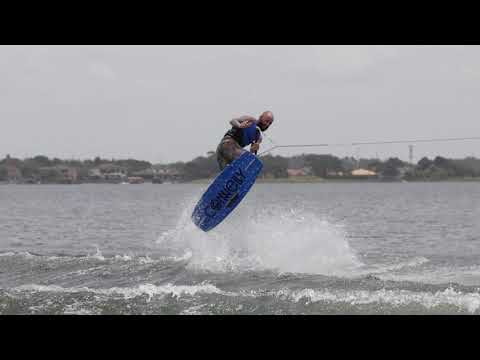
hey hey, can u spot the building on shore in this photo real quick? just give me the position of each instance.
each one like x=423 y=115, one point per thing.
x=163 y=173
x=146 y=174
x=108 y=173
x=69 y=174
x=14 y=175
x=136 y=180
x=58 y=174
x=304 y=171
x=363 y=173
x=333 y=173
x=95 y=174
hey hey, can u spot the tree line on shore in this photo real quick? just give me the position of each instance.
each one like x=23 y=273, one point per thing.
x=51 y=170
x=330 y=166
x=324 y=166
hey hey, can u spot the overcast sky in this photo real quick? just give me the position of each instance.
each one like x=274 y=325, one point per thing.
x=169 y=103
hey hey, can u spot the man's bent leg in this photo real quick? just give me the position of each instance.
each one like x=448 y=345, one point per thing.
x=228 y=151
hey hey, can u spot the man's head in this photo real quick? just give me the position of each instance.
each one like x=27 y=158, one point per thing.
x=265 y=120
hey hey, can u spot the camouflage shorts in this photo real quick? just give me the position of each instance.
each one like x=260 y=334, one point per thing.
x=227 y=151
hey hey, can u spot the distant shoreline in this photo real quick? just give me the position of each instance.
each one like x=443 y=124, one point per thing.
x=299 y=180
x=319 y=180
x=302 y=169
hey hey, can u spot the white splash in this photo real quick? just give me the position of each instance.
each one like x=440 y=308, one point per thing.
x=131 y=292
x=285 y=240
x=5 y=254
x=391 y=268
x=123 y=257
x=466 y=275
x=145 y=260
x=98 y=255
x=468 y=301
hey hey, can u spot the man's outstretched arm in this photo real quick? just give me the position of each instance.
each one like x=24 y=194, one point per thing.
x=256 y=145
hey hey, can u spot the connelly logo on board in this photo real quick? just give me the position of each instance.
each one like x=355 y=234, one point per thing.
x=225 y=194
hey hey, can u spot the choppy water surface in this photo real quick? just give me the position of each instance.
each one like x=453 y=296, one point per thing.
x=400 y=248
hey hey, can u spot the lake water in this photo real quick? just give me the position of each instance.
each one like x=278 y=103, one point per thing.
x=356 y=248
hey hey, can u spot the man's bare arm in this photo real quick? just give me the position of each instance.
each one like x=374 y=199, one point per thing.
x=256 y=145
x=242 y=121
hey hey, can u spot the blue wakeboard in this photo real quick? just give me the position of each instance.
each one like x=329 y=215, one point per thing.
x=226 y=191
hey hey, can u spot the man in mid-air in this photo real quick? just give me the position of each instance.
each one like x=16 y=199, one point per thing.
x=244 y=132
